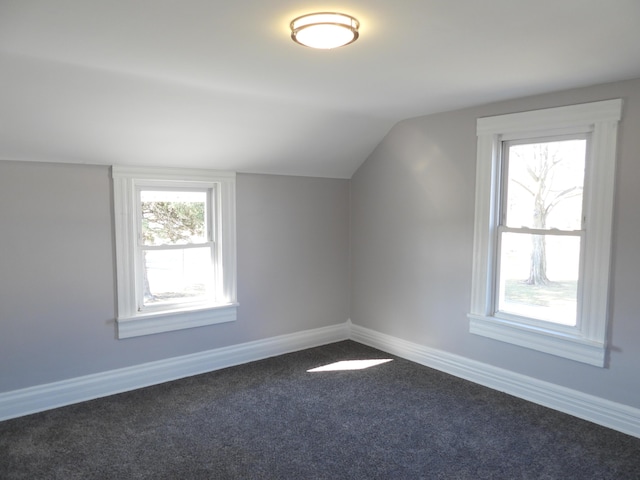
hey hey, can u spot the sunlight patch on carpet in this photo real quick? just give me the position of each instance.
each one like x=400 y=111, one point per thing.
x=350 y=365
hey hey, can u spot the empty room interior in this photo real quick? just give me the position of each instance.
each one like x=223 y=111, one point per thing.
x=190 y=187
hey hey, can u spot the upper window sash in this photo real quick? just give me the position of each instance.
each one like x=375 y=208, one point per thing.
x=209 y=214
x=504 y=164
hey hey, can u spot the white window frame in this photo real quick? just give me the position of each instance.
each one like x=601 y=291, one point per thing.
x=133 y=321
x=587 y=341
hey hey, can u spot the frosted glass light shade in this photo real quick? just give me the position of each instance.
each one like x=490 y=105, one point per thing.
x=324 y=30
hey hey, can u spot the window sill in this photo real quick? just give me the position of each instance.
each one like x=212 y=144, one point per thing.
x=547 y=341
x=150 y=323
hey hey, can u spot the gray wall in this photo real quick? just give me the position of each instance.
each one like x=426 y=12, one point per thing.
x=57 y=274
x=412 y=239
x=412 y=205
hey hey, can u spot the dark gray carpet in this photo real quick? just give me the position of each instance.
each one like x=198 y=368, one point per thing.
x=273 y=420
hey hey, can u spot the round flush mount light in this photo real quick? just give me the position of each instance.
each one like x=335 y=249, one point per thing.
x=324 y=30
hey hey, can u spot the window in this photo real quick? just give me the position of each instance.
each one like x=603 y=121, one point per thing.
x=540 y=228
x=542 y=238
x=175 y=249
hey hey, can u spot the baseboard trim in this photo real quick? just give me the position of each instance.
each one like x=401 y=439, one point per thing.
x=603 y=412
x=35 y=399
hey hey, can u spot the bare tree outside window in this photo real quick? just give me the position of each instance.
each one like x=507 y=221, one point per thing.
x=549 y=181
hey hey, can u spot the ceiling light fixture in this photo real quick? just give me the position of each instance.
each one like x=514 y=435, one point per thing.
x=324 y=30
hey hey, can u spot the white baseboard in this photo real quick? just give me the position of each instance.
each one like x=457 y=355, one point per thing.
x=610 y=414
x=616 y=416
x=66 y=392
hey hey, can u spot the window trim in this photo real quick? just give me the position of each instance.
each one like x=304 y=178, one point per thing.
x=126 y=181
x=587 y=342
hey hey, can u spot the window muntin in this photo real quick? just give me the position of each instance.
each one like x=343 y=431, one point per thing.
x=540 y=229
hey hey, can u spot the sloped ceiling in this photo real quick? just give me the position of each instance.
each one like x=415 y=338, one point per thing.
x=219 y=84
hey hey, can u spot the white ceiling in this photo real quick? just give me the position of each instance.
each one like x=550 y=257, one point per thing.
x=219 y=83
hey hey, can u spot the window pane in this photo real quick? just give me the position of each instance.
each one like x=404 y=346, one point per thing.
x=544 y=184
x=538 y=277
x=177 y=276
x=173 y=217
